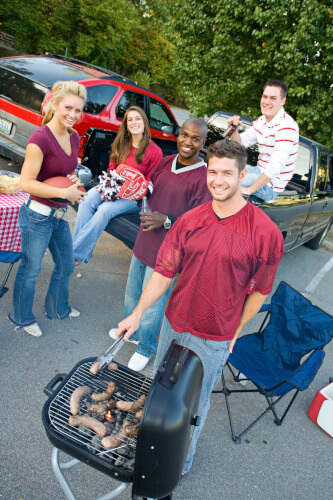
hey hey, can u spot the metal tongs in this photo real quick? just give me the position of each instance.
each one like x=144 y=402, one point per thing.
x=110 y=353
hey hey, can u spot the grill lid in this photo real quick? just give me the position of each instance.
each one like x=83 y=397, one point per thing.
x=168 y=421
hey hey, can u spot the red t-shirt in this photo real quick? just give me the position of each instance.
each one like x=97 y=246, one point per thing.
x=175 y=192
x=220 y=262
x=151 y=159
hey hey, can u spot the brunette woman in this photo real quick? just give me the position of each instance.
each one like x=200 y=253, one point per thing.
x=51 y=152
x=132 y=146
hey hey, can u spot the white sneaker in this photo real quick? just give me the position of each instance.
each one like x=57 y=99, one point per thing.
x=33 y=330
x=137 y=362
x=74 y=313
x=112 y=334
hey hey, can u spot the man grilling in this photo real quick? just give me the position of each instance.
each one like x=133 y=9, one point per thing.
x=226 y=253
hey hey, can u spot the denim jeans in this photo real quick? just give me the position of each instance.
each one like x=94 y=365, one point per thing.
x=39 y=232
x=213 y=355
x=93 y=216
x=265 y=192
x=150 y=323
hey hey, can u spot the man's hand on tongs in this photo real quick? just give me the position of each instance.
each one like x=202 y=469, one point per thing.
x=128 y=326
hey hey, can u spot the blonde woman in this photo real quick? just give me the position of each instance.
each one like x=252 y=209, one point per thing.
x=51 y=151
x=134 y=147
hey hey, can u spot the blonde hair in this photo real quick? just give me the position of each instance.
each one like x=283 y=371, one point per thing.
x=59 y=91
x=122 y=144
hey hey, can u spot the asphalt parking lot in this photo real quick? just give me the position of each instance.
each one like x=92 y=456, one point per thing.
x=289 y=462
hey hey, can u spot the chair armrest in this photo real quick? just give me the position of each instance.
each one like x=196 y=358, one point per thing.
x=303 y=376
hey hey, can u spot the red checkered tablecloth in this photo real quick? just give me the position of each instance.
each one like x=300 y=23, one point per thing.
x=10 y=236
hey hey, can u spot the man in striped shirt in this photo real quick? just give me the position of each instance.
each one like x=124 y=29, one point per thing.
x=276 y=134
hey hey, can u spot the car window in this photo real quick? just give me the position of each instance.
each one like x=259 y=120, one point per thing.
x=129 y=99
x=98 y=98
x=161 y=118
x=322 y=171
x=218 y=126
x=21 y=90
x=329 y=186
x=302 y=173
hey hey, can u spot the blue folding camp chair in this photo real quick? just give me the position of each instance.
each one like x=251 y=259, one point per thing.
x=8 y=258
x=284 y=355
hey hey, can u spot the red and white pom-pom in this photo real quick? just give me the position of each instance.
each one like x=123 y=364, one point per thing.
x=109 y=185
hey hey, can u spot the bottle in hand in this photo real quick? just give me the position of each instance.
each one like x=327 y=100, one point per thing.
x=145 y=208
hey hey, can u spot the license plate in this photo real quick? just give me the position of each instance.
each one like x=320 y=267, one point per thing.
x=5 y=126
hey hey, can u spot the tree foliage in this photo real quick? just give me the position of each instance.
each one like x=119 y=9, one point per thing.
x=227 y=50
x=126 y=36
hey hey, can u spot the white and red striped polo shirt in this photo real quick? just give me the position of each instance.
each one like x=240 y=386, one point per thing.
x=278 y=144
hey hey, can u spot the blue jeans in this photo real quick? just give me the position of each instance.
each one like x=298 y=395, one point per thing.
x=39 y=232
x=150 y=323
x=93 y=216
x=213 y=355
x=265 y=192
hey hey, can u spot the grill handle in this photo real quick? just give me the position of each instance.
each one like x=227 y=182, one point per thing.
x=179 y=365
x=48 y=390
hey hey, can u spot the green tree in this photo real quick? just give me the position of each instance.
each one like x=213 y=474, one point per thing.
x=126 y=36
x=227 y=49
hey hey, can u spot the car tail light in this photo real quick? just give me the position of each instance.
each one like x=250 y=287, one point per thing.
x=83 y=142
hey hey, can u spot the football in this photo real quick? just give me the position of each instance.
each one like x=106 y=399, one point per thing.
x=61 y=182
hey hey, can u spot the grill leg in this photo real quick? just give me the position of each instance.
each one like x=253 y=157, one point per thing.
x=57 y=466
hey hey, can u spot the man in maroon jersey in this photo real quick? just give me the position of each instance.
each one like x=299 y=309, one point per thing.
x=226 y=253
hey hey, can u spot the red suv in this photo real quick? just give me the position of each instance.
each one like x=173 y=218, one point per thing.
x=25 y=81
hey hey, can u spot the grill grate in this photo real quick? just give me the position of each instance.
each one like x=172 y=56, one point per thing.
x=129 y=387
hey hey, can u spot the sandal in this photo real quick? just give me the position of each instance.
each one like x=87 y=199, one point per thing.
x=33 y=330
x=74 y=313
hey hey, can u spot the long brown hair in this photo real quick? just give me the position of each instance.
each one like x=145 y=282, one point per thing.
x=122 y=144
x=59 y=91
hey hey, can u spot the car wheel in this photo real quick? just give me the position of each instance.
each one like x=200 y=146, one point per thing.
x=316 y=242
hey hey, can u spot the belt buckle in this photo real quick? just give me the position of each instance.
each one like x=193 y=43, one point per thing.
x=59 y=213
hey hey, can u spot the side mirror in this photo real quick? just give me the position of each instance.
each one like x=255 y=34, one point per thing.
x=84 y=174
x=176 y=129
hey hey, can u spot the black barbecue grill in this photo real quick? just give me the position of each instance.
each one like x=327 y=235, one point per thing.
x=153 y=460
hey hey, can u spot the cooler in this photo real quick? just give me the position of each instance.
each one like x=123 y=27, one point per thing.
x=321 y=409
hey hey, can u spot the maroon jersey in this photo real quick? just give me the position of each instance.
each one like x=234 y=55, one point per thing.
x=175 y=192
x=220 y=262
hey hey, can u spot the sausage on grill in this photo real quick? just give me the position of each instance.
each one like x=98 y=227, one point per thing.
x=104 y=396
x=103 y=408
x=132 y=405
x=94 y=368
x=117 y=440
x=139 y=414
x=76 y=397
x=92 y=423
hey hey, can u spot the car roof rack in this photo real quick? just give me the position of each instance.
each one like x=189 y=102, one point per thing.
x=84 y=63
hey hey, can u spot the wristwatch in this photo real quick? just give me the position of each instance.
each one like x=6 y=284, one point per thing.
x=167 y=223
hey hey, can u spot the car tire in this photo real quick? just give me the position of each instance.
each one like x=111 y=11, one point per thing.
x=316 y=242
